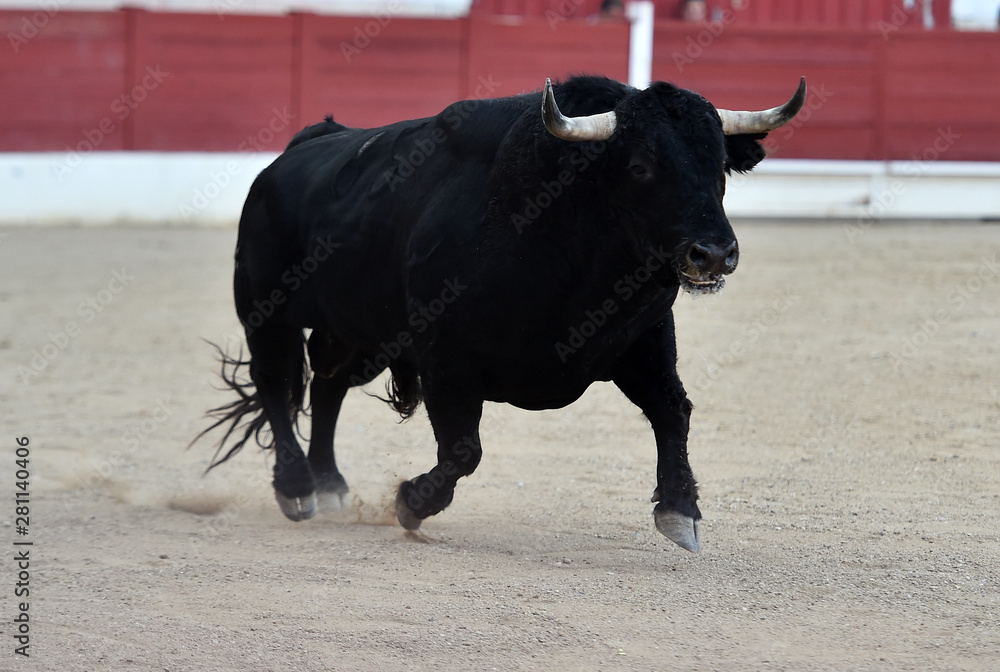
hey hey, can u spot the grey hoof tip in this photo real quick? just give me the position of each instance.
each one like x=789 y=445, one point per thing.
x=404 y=514
x=297 y=508
x=331 y=501
x=680 y=529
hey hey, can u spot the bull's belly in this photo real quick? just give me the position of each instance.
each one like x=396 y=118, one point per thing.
x=546 y=372
x=540 y=384
x=535 y=403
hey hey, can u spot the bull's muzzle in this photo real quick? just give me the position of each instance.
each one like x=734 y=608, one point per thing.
x=706 y=262
x=713 y=258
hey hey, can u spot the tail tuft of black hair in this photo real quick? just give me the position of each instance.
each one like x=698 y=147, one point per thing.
x=403 y=389
x=244 y=418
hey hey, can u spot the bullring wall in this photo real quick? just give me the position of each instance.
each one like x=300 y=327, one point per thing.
x=140 y=80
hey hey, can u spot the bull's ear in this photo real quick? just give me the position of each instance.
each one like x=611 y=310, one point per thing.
x=743 y=152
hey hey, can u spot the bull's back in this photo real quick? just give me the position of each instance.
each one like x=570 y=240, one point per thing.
x=347 y=223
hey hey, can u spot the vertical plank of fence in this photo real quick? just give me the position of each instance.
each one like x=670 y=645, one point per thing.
x=879 y=138
x=297 y=104
x=133 y=26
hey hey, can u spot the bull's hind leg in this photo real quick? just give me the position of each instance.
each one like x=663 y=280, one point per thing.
x=277 y=370
x=456 y=428
x=339 y=367
x=330 y=360
x=331 y=488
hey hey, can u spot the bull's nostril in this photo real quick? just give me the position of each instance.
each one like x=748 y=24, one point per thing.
x=699 y=255
x=712 y=258
x=733 y=256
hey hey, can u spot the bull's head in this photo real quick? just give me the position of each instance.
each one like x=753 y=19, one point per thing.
x=669 y=153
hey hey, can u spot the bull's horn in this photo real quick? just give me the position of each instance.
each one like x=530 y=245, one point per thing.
x=576 y=129
x=738 y=123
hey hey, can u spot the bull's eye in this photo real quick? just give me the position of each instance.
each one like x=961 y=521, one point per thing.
x=639 y=169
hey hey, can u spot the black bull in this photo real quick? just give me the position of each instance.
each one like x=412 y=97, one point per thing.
x=502 y=250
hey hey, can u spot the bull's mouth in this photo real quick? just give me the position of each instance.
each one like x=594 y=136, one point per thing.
x=704 y=284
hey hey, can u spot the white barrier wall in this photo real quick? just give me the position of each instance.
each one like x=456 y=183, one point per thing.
x=126 y=187
x=208 y=189
x=867 y=190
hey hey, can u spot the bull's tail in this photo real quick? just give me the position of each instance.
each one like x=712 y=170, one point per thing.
x=244 y=418
x=403 y=389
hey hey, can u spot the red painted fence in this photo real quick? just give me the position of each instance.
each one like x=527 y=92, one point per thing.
x=141 y=80
x=804 y=13
x=871 y=97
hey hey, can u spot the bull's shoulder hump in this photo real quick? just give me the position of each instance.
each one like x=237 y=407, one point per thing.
x=478 y=123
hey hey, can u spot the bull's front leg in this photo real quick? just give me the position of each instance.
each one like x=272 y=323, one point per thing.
x=455 y=419
x=647 y=374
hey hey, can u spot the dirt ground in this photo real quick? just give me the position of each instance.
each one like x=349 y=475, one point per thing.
x=845 y=436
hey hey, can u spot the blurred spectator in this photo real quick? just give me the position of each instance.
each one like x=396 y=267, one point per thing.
x=695 y=11
x=612 y=9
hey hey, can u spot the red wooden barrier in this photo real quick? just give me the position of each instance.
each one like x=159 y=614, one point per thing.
x=225 y=83
x=373 y=71
x=161 y=81
x=517 y=57
x=553 y=10
x=879 y=14
x=871 y=97
x=930 y=87
x=62 y=81
x=803 y=13
x=757 y=68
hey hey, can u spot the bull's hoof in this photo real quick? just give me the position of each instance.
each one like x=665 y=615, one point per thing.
x=404 y=514
x=678 y=528
x=297 y=508
x=332 y=501
x=331 y=495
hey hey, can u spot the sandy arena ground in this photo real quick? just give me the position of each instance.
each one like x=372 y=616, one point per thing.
x=846 y=433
